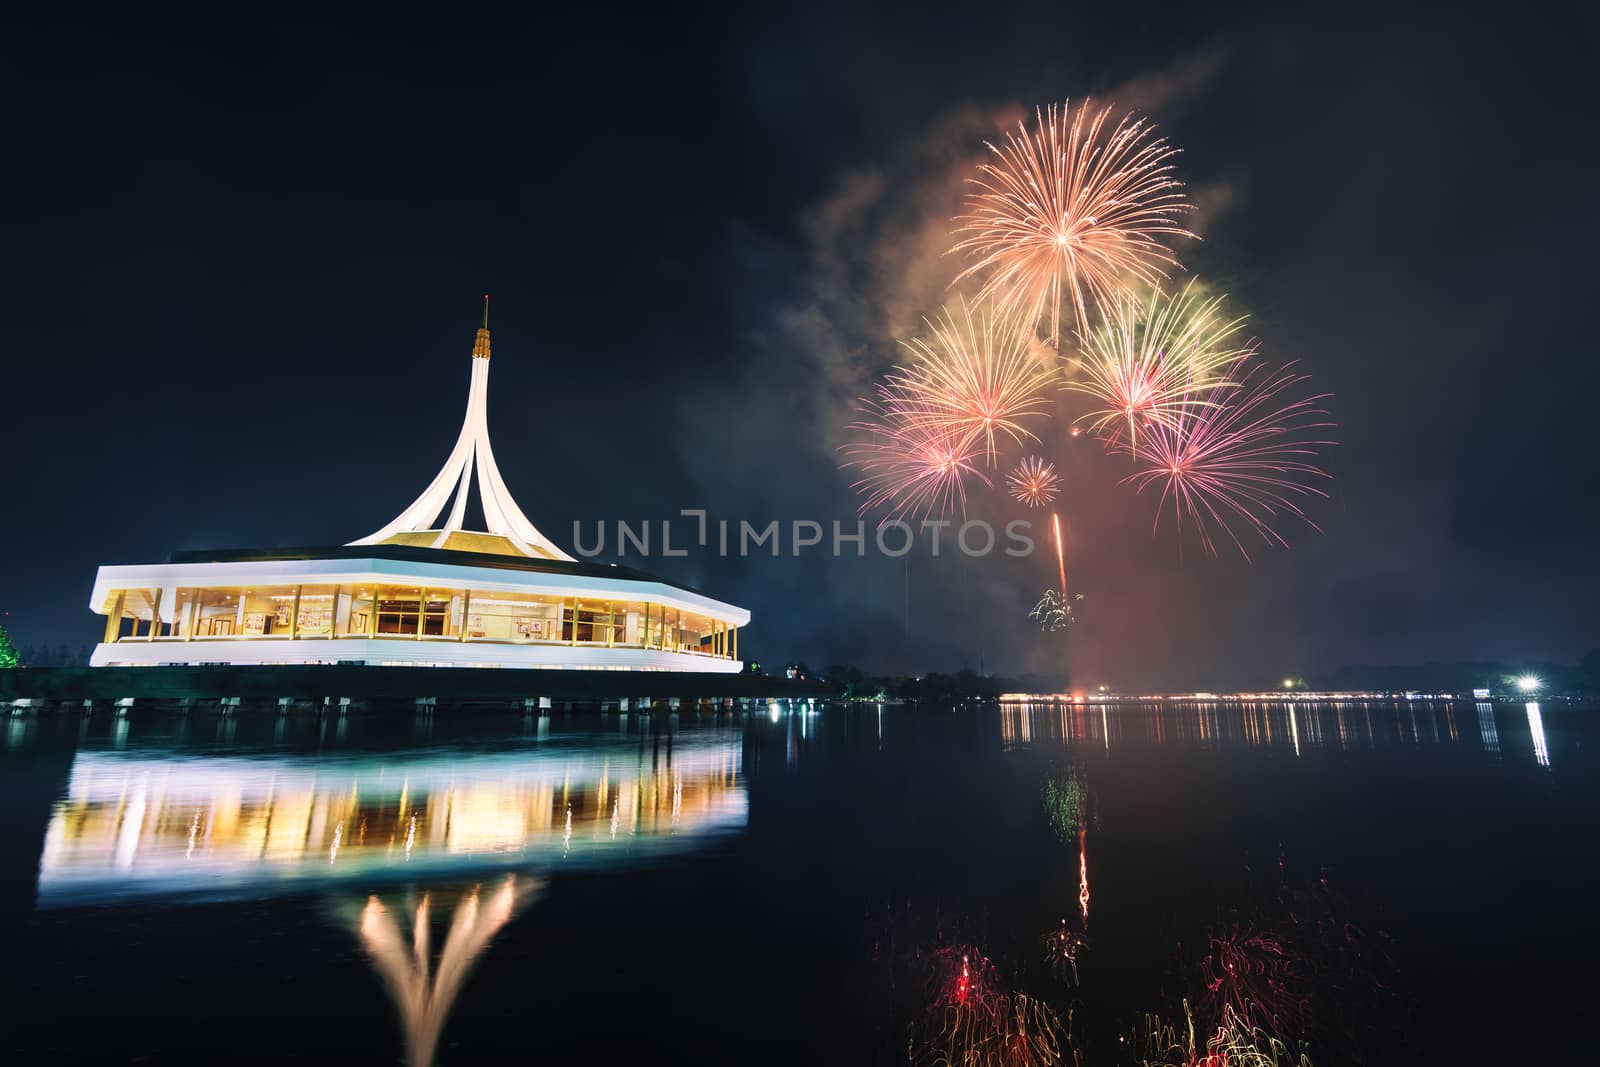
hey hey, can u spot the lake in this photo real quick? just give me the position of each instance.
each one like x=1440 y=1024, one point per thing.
x=1365 y=882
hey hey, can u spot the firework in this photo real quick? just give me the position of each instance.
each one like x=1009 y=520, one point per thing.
x=1052 y=612
x=1150 y=360
x=973 y=374
x=1071 y=205
x=1240 y=458
x=1034 y=482
x=910 y=464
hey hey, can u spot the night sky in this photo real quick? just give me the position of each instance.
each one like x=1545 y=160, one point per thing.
x=243 y=263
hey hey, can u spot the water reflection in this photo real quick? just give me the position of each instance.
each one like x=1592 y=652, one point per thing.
x=423 y=990
x=155 y=821
x=1297 y=727
x=1536 y=730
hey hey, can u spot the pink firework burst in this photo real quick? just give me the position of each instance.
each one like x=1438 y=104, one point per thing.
x=1148 y=361
x=1241 y=458
x=1034 y=482
x=1069 y=211
x=910 y=462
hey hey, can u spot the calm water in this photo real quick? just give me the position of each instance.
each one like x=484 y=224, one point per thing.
x=846 y=885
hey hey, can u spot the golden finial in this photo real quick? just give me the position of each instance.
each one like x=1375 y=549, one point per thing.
x=480 y=347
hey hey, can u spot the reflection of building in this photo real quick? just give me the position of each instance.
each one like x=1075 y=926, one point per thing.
x=134 y=824
x=418 y=591
x=424 y=990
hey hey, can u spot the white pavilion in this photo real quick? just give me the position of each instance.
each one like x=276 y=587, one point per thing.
x=417 y=592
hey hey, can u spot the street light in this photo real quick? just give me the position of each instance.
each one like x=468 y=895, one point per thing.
x=1530 y=683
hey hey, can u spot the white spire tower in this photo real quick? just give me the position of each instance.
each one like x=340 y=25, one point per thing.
x=471 y=453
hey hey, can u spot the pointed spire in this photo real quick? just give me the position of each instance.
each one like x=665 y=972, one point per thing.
x=471 y=456
x=480 y=347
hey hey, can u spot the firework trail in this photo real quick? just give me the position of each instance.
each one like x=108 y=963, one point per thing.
x=1148 y=361
x=973 y=374
x=910 y=462
x=1242 y=457
x=1071 y=205
x=1034 y=482
x=1061 y=556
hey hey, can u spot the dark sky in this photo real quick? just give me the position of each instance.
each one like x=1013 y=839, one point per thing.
x=242 y=265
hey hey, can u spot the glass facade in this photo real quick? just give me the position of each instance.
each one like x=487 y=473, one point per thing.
x=322 y=612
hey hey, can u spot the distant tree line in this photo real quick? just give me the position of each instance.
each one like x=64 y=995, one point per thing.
x=852 y=683
x=59 y=656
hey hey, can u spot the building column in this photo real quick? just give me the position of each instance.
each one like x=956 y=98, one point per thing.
x=735 y=643
x=574 y=638
x=466 y=613
x=372 y=616
x=294 y=614
x=422 y=611
x=194 y=614
x=611 y=622
x=155 y=616
x=645 y=643
x=114 y=618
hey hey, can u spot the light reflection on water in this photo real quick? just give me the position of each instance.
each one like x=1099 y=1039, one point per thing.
x=152 y=821
x=1295 y=726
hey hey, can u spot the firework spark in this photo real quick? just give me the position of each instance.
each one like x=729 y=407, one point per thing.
x=1071 y=205
x=1147 y=361
x=910 y=463
x=1242 y=457
x=1034 y=482
x=974 y=374
x=1052 y=612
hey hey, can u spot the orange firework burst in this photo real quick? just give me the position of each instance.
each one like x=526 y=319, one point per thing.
x=1072 y=206
x=1034 y=482
x=1147 y=361
x=910 y=462
x=974 y=374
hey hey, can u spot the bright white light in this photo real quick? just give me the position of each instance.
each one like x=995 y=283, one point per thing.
x=1530 y=683
x=773 y=710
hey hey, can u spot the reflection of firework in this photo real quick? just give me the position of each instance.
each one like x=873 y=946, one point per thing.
x=1241 y=456
x=1146 y=362
x=1014 y=1030
x=973 y=1021
x=1034 y=482
x=1061 y=948
x=1235 y=1043
x=1066 y=804
x=1083 y=874
x=972 y=375
x=1070 y=205
x=909 y=464
x=1256 y=975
